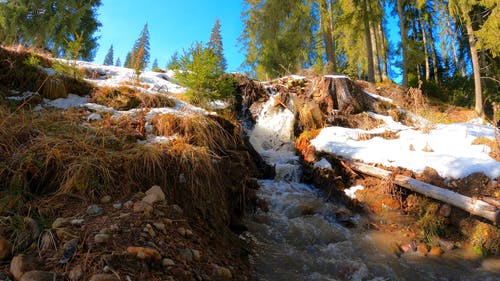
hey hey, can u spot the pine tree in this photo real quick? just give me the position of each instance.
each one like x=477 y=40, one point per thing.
x=155 y=65
x=128 y=60
x=118 y=62
x=173 y=63
x=140 y=51
x=108 y=60
x=216 y=44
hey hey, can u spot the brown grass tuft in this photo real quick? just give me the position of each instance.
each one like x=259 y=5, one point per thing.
x=54 y=88
x=126 y=98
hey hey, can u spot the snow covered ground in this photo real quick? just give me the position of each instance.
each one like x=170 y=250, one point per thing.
x=450 y=149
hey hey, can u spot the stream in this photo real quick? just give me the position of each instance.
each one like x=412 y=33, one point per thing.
x=301 y=237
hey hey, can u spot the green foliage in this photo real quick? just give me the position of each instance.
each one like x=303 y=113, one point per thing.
x=108 y=60
x=32 y=60
x=199 y=70
x=118 y=62
x=216 y=44
x=139 y=56
x=485 y=240
x=48 y=25
x=155 y=64
x=173 y=63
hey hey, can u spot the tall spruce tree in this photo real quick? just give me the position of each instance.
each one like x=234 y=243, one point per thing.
x=128 y=60
x=108 y=60
x=216 y=44
x=140 y=51
x=155 y=64
x=118 y=62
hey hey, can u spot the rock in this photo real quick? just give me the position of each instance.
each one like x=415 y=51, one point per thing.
x=101 y=238
x=186 y=255
x=224 y=273
x=491 y=264
x=21 y=264
x=104 y=277
x=37 y=275
x=77 y=221
x=5 y=249
x=446 y=245
x=161 y=227
x=181 y=231
x=177 y=209
x=143 y=207
x=128 y=204
x=117 y=205
x=33 y=226
x=405 y=248
x=167 y=262
x=76 y=273
x=435 y=251
x=69 y=249
x=445 y=210
x=422 y=249
x=196 y=254
x=149 y=230
x=189 y=232
x=124 y=215
x=60 y=222
x=144 y=253
x=105 y=199
x=169 y=221
x=94 y=117
x=179 y=273
x=153 y=195
x=94 y=210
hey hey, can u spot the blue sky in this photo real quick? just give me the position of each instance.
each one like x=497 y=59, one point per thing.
x=175 y=24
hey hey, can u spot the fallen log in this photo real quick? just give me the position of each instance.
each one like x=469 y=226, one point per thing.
x=472 y=205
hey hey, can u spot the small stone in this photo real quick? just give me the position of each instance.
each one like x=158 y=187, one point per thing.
x=187 y=255
x=21 y=264
x=106 y=231
x=168 y=221
x=144 y=253
x=178 y=272
x=153 y=195
x=411 y=148
x=142 y=207
x=5 y=249
x=33 y=226
x=117 y=205
x=196 y=254
x=60 y=222
x=446 y=245
x=427 y=148
x=94 y=117
x=177 y=209
x=445 y=210
x=101 y=238
x=77 y=221
x=189 y=232
x=167 y=262
x=405 y=248
x=149 y=230
x=76 y=273
x=160 y=226
x=37 y=275
x=224 y=273
x=104 y=277
x=181 y=231
x=94 y=210
x=435 y=251
x=114 y=228
x=106 y=199
x=422 y=249
x=124 y=215
x=128 y=204
x=491 y=264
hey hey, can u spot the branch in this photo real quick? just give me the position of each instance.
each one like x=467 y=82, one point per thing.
x=491 y=78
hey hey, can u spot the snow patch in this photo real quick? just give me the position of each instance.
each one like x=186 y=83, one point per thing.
x=351 y=192
x=323 y=164
x=378 y=97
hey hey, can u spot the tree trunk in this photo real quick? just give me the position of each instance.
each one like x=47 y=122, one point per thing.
x=475 y=67
x=433 y=53
x=404 y=34
x=426 y=52
x=327 y=32
x=369 y=50
x=375 y=51
x=384 y=51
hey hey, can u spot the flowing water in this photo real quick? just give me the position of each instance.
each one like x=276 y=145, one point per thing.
x=300 y=236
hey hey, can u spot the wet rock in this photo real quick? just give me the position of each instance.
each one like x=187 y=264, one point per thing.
x=76 y=273
x=94 y=210
x=21 y=264
x=144 y=253
x=128 y=204
x=104 y=277
x=105 y=199
x=422 y=249
x=5 y=249
x=101 y=238
x=37 y=275
x=153 y=195
x=167 y=262
x=69 y=249
x=435 y=251
x=143 y=207
x=491 y=264
x=59 y=222
x=445 y=210
x=186 y=255
x=117 y=205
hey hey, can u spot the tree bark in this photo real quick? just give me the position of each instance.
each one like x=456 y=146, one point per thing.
x=404 y=34
x=369 y=50
x=327 y=32
x=426 y=52
x=384 y=51
x=433 y=53
x=475 y=66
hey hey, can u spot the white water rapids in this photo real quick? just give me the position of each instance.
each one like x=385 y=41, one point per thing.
x=300 y=238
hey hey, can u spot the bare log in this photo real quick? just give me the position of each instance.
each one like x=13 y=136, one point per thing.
x=472 y=205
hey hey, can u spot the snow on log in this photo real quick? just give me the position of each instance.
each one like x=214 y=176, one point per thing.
x=471 y=205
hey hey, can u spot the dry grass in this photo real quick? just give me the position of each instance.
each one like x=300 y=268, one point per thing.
x=126 y=98
x=304 y=140
x=494 y=145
